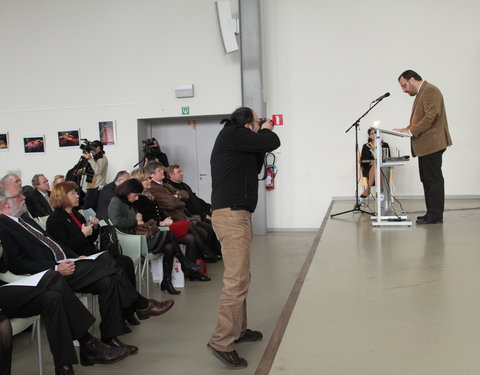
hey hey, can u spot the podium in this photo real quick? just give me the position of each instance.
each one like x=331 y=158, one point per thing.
x=384 y=214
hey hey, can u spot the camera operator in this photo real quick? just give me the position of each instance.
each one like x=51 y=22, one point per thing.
x=152 y=152
x=99 y=163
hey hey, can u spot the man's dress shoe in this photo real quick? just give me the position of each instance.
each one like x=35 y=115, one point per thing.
x=154 y=308
x=231 y=359
x=95 y=351
x=64 y=370
x=116 y=343
x=427 y=220
x=421 y=217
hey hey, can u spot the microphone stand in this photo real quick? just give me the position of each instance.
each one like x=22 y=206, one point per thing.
x=356 y=124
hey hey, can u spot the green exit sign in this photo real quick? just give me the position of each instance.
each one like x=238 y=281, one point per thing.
x=185 y=111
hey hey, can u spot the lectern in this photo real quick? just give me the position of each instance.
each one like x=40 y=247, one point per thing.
x=385 y=215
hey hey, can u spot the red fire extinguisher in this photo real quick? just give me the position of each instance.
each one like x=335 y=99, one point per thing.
x=270 y=172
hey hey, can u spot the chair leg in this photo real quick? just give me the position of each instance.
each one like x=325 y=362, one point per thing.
x=147 y=276
x=94 y=311
x=39 y=346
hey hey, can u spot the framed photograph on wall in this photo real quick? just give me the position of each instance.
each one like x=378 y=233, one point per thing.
x=34 y=144
x=68 y=138
x=4 y=145
x=107 y=132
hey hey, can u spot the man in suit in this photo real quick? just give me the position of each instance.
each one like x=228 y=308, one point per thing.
x=38 y=203
x=430 y=137
x=194 y=204
x=28 y=249
x=108 y=192
x=65 y=319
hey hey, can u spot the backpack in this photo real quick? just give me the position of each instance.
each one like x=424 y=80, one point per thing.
x=109 y=240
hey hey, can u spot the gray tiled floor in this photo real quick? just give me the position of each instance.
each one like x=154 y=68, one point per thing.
x=176 y=342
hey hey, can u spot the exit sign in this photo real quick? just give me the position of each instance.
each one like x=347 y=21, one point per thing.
x=185 y=111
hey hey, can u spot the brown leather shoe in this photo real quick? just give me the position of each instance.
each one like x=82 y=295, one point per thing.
x=116 y=343
x=64 y=370
x=154 y=308
x=95 y=351
x=231 y=359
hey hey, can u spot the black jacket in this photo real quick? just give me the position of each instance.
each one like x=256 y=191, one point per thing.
x=37 y=205
x=194 y=205
x=104 y=198
x=66 y=232
x=237 y=159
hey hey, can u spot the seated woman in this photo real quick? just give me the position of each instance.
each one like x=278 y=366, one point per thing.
x=148 y=208
x=69 y=227
x=124 y=216
x=366 y=160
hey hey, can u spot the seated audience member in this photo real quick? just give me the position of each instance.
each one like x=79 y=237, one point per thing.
x=38 y=203
x=123 y=215
x=29 y=249
x=65 y=319
x=194 y=204
x=172 y=202
x=12 y=178
x=107 y=193
x=367 y=164
x=68 y=226
x=57 y=179
x=149 y=210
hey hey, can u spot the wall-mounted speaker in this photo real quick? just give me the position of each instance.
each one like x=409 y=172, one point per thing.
x=229 y=26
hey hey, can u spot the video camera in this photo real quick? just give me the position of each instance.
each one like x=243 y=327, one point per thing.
x=87 y=146
x=151 y=150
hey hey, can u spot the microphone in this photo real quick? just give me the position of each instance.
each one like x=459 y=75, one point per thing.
x=387 y=94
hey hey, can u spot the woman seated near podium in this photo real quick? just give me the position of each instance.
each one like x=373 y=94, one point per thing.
x=367 y=160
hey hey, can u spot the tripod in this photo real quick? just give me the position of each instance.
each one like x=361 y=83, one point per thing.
x=356 y=124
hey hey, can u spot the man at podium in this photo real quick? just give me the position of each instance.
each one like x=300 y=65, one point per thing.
x=430 y=137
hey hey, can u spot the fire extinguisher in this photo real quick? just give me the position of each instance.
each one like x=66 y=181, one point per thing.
x=270 y=172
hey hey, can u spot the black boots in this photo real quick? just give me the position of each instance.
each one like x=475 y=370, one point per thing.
x=168 y=286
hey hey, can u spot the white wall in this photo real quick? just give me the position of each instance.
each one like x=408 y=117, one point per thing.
x=70 y=64
x=326 y=60
x=324 y=63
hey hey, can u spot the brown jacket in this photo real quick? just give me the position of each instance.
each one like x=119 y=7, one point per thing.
x=165 y=200
x=428 y=123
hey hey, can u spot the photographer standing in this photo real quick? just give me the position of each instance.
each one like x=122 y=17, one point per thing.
x=237 y=159
x=99 y=164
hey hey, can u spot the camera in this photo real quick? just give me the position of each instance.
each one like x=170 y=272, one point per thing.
x=261 y=121
x=87 y=146
x=149 y=142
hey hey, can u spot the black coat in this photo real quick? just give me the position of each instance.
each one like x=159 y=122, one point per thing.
x=194 y=205
x=236 y=161
x=37 y=205
x=23 y=252
x=67 y=233
x=104 y=198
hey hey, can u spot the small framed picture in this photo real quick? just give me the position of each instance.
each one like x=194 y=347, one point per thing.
x=34 y=144
x=68 y=138
x=4 y=145
x=107 y=132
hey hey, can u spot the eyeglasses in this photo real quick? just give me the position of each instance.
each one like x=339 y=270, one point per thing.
x=404 y=85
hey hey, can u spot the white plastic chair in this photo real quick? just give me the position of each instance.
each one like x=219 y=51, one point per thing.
x=42 y=221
